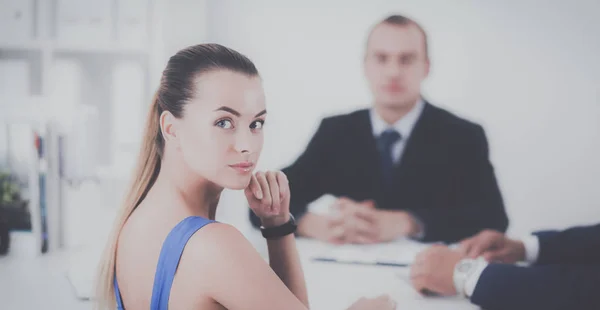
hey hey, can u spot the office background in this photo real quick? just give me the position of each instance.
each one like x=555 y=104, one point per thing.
x=527 y=70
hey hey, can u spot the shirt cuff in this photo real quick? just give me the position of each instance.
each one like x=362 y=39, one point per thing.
x=421 y=227
x=532 y=248
x=473 y=278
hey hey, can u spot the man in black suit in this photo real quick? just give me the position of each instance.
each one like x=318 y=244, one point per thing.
x=402 y=168
x=564 y=271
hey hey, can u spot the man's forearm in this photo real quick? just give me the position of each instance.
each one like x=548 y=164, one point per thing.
x=542 y=287
x=285 y=261
x=576 y=245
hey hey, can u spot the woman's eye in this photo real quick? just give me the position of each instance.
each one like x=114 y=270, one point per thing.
x=225 y=124
x=257 y=125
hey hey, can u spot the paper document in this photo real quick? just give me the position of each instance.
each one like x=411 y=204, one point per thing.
x=401 y=252
x=398 y=253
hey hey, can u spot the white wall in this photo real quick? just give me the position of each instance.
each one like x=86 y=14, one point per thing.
x=528 y=71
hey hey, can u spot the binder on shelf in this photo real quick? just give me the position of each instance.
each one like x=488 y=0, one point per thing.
x=132 y=22
x=84 y=21
x=127 y=96
x=78 y=121
x=18 y=16
x=15 y=78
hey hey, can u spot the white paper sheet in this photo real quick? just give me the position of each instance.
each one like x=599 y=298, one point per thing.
x=401 y=252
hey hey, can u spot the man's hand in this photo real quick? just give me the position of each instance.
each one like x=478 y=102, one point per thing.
x=494 y=247
x=327 y=228
x=338 y=227
x=363 y=223
x=433 y=270
x=357 y=222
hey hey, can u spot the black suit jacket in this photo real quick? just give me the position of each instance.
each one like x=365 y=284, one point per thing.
x=566 y=275
x=444 y=177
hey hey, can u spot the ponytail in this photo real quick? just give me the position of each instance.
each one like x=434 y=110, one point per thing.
x=145 y=174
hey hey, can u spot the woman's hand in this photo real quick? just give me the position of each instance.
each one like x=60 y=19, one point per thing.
x=383 y=302
x=268 y=196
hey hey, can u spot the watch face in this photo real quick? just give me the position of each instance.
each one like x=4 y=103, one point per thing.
x=465 y=266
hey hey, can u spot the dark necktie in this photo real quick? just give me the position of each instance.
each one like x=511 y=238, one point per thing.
x=385 y=144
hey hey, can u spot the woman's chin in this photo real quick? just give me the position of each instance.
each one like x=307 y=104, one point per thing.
x=238 y=183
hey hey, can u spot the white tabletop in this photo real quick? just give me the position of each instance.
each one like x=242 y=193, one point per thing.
x=330 y=286
x=336 y=286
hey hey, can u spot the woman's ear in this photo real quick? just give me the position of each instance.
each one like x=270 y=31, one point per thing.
x=168 y=126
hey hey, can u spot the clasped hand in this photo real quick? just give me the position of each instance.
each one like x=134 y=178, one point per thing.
x=360 y=222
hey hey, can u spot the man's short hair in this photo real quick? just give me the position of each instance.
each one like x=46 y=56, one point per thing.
x=402 y=21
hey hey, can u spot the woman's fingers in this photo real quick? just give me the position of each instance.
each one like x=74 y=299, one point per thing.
x=254 y=187
x=266 y=202
x=270 y=191
x=284 y=187
x=274 y=191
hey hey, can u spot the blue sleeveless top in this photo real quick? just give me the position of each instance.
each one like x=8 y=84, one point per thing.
x=168 y=261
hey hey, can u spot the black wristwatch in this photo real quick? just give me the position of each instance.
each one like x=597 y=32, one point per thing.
x=281 y=230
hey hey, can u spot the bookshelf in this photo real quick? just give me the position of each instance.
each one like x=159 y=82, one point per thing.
x=74 y=55
x=97 y=35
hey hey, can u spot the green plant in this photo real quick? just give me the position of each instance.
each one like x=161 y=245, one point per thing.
x=9 y=189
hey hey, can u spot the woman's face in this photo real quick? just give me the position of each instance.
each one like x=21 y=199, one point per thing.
x=220 y=135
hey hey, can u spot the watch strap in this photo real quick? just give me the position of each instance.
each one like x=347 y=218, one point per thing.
x=279 y=231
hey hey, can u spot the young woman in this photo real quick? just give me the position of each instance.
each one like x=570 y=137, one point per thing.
x=204 y=134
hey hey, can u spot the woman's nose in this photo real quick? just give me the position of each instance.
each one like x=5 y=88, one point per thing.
x=243 y=141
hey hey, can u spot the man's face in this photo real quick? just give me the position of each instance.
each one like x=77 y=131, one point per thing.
x=395 y=64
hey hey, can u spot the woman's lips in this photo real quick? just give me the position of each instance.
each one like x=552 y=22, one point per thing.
x=243 y=167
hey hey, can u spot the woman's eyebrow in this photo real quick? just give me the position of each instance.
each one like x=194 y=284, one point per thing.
x=238 y=114
x=230 y=110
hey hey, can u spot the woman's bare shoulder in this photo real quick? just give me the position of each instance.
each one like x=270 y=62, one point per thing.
x=217 y=241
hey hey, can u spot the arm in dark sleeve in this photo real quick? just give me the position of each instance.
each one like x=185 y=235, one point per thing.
x=577 y=245
x=542 y=287
x=307 y=175
x=478 y=203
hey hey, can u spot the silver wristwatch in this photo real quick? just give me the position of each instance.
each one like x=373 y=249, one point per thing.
x=462 y=271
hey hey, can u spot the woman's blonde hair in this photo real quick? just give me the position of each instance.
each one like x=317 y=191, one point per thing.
x=175 y=90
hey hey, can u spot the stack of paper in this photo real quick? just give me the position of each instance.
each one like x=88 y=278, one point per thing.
x=398 y=253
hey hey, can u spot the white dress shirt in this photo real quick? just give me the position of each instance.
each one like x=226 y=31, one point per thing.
x=404 y=127
x=532 y=250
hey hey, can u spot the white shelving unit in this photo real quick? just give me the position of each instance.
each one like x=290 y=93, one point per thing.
x=96 y=38
x=91 y=67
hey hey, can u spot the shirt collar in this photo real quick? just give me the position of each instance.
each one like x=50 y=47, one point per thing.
x=404 y=126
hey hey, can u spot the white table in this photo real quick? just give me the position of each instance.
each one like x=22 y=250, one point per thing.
x=333 y=286
x=35 y=282
x=32 y=281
